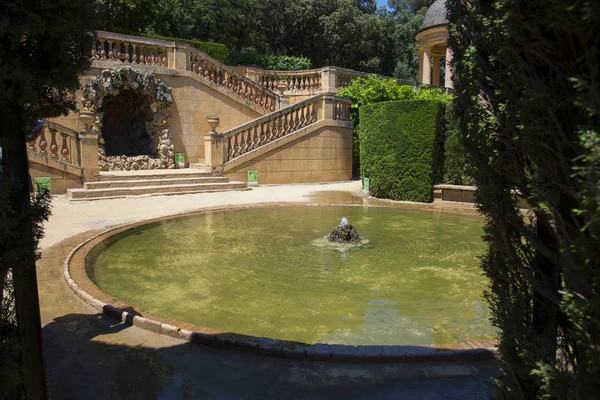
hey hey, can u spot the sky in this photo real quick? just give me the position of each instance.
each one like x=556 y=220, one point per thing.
x=381 y=3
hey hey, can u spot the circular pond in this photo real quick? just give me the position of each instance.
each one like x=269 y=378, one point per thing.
x=269 y=272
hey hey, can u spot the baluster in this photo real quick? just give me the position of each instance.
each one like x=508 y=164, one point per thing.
x=94 y=52
x=118 y=53
x=242 y=143
x=236 y=147
x=53 y=145
x=246 y=94
x=313 y=114
x=157 y=58
x=134 y=51
x=103 y=50
x=229 y=149
x=165 y=61
x=302 y=119
x=65 y=149
x=121 y=52
x=31 y=145
x=110 y=50
x=43 y=143
x=269 y=132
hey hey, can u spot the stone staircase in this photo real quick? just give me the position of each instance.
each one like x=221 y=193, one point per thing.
x=118 y=184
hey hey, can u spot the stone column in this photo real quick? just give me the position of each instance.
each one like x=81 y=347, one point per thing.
x=426 y=77
x=448 y=79
x=214 y=148
x=420 y=77
x=179 y=57
x=88 y=140
x=327 y=112
x=329 y=80
x=437 y=61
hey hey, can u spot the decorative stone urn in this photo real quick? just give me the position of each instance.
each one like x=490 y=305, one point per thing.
x=282 y=86
x=213 y=121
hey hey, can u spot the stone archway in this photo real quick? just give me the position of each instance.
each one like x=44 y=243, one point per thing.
x=110 y=84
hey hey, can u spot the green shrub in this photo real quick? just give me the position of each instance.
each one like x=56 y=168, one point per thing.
x=400 y=148
x=247 y=56
x=375 y=89
x=287 y=63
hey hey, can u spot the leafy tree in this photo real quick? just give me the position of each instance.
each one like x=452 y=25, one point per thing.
x=407 y=60
x=44 y=46
x=287 y=63
x=526 y=78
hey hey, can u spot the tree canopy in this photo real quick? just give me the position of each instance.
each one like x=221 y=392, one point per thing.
x=347 y=33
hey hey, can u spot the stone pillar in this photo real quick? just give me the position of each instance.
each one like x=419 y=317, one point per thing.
x=327 y=111
x=437 y=61
x=329 y=80
x=88 y=140
x=214 y=148
x=178 y=58
x=426 y=77
x=448 y=79
x=420 y=77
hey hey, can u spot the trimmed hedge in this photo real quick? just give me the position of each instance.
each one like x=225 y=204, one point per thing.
x=401 y=148
x=215 y=50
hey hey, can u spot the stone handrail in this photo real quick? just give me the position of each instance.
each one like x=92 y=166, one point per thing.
x=127 y=49
x=56 y=142
x=290 y=80
x=263 y=130
x=229 y=79
x=326 y=79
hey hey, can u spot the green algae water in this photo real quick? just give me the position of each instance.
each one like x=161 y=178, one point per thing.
x=269 y=272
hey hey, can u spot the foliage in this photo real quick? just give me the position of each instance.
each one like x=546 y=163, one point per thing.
x=287 y=63
x=374 y=89
x=407 y=60
x=248 y=56
x=346 y=33
x=455 y=163
x=401 y=148
x=10 y=256
x=526 y=78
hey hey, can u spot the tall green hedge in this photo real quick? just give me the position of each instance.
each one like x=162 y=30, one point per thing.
x=528 y=100
x=401 y=148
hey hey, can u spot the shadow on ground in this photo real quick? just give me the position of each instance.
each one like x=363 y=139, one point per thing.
x=84 y=360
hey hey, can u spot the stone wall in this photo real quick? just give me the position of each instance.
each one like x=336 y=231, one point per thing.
x=60 y=181
x=324 y=155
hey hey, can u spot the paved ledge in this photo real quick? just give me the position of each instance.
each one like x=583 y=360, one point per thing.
x=76 y=277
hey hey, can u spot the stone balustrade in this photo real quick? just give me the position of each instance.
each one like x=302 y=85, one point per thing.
x=229 y=79
x=127 y=49
x=290 y=80
x=56 y=142
x=261 y=131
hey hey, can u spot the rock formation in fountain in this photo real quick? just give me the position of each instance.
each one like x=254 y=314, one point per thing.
x=344 y=233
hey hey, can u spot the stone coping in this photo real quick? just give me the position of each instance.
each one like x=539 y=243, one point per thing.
x=78 y=280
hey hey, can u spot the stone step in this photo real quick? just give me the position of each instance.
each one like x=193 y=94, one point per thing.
x=153 y=175
x=170 y=181
x=108 y=193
